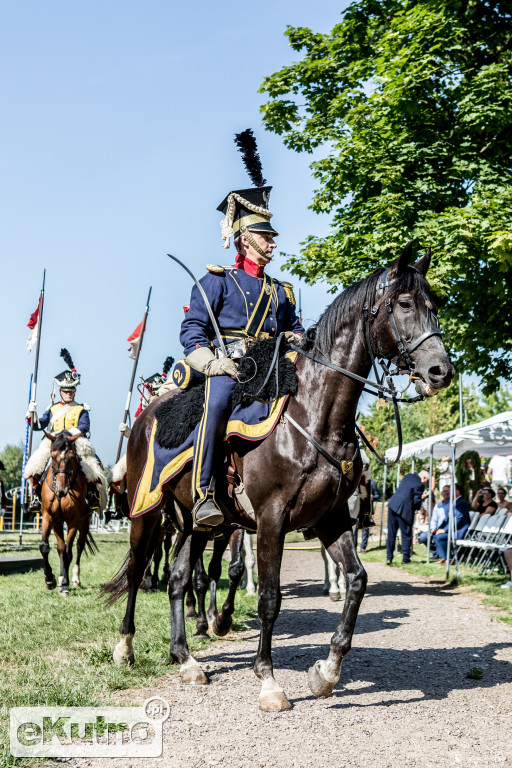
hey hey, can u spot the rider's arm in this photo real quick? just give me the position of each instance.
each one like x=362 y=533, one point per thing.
x=84 y=422
x=196 y=328
x=44 y=420
x=290 y=320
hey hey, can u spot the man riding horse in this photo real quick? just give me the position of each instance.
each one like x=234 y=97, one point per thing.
x=247 y=305
x=74 y=418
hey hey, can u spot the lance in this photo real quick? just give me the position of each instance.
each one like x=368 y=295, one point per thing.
x=300 y=307
x=135 y=363
x=24 y=483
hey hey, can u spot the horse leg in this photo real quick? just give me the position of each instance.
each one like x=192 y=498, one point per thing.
x=222 y=622
x=200 y=586
x=83 y=532
x=249 y=563
x=167 y=549
x=64 y=548
x=325 y=588
x=190 y=601
x=44 y=548
x=270 y=555
x=142 y=539
x=332 y=577
x=214 y=572
x=156 y=564
x=324 y=675
x=181 y=571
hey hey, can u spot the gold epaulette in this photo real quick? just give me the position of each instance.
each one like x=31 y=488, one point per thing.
x=214 y=269
x=288 y=289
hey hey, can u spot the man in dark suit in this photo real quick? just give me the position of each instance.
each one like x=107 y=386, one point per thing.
x=401 y=508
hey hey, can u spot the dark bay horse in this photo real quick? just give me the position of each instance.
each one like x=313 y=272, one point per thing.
x=63 y=500
x=290 y=483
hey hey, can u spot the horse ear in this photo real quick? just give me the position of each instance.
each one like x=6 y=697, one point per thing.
x=74 y=437
x=49 y=435
x=423 y=264
x=398 y=266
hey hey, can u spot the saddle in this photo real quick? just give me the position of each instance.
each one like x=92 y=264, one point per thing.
x=264 y=376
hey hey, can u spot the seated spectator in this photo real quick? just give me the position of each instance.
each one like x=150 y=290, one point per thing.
x=439 y=513
x=421 y=520
x=462 y=520
x=508 y=559
x=483 y=501
x=503 y=504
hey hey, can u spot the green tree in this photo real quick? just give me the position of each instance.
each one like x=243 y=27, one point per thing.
x=410 y=101
x=12 y=459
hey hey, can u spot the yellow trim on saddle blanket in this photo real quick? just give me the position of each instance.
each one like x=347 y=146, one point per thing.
x=145 y=499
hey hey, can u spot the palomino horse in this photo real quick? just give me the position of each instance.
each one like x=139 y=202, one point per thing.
x=63 y=500
x=293 y=483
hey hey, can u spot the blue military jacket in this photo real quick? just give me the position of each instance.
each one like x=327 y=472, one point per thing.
x=233 y=294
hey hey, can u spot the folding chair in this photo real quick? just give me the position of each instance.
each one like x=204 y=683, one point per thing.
x=495 y=550
x=470 y=540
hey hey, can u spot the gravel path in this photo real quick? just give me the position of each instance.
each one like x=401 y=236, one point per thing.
x=403 y=697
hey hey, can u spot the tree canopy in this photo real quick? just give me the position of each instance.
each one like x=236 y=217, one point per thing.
x=409 y=103
x=12 y=459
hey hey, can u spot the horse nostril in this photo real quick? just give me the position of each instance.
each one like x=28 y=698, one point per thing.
x=440 y=373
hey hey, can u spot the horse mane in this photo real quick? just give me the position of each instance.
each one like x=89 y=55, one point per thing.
x=61 y=441
x=347 y=307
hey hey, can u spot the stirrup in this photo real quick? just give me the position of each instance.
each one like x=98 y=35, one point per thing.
x=35 y=505
x=206 y=514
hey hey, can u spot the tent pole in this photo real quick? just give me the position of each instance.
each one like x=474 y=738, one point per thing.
x=382 y=503
x=430 y=470
x=451 y=525
x=412 y=465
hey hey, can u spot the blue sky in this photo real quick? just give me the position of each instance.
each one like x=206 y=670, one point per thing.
x=117 y=129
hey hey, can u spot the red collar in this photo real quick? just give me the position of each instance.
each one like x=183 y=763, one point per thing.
x=242 y=262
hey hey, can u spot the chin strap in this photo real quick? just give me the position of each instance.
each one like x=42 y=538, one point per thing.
x=252 y=242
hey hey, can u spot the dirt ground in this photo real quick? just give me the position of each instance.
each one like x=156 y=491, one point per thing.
x=404 y=697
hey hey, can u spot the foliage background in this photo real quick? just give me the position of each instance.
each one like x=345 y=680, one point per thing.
x=410 y=105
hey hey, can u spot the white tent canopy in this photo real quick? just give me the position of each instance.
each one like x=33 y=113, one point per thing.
x=489 y=437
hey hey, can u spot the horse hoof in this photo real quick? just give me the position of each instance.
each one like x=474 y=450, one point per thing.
x=63 y=592
x=122 y=660
x=201 y=636
x=320 y=687
x=191 y=615
x=51 y=584
x=76 y=584
x=334 y=596
x=219 y=629
x=193 y=676
x=274 y=701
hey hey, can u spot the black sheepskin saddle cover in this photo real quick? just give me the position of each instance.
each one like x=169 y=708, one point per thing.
x=178 y=416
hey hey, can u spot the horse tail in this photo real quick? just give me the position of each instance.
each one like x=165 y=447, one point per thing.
x=118 y=584
x=91 y=548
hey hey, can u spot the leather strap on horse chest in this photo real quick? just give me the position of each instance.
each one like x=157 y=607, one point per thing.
x=260 y=312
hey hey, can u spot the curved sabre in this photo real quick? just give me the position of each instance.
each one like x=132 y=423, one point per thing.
x=205 y=299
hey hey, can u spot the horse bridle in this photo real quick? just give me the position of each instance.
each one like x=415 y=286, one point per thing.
x=386 y=392
x=404 y=352
x=70 y=473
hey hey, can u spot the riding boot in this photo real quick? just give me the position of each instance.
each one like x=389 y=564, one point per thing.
x=206 y=512
x=35 y=504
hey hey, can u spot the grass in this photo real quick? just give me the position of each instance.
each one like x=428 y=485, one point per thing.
x=489 y=587
x=475 y=673
x=58 y=651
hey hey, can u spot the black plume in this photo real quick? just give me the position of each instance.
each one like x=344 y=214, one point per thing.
x=246 y=144
x=67 y=358
x=168 y=365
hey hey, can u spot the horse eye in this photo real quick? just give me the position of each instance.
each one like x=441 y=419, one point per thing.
x=405 y=304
